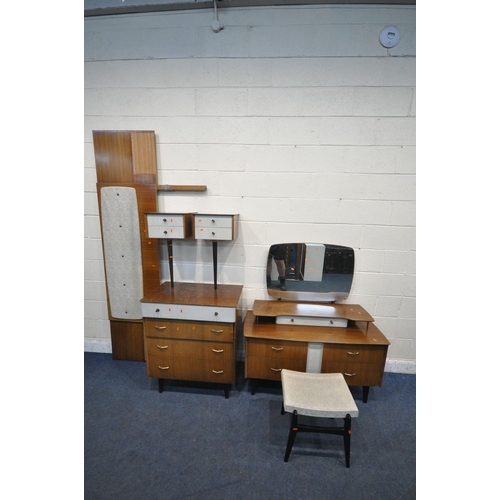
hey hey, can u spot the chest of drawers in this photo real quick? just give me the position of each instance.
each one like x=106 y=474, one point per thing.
x=358 y=351
x=190 y=333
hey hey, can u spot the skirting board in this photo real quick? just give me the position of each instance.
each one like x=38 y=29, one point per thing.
x=391 y=365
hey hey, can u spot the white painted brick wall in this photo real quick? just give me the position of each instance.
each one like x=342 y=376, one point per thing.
x=294 y=117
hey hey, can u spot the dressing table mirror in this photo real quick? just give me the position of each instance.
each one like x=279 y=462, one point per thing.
x=306 y=325
x=309 y=271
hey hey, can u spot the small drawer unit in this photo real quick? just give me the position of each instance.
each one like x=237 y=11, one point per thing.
x=215 y=227
x=170 y=226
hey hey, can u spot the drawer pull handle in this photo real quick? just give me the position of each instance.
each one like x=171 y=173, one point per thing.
x=276 y=369
x=217 y=331
x=164 y=367
x=350 y=374
x=217 y=350
x=162 y=346
x=160 y=327
x=217 y=373
x=352 y=353
x=277 y=348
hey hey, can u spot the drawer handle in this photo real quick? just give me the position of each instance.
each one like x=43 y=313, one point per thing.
x=217 y=331
x=276 y=369
x=164 y=367
x=277 y=348
x=217 y=350
x=162 y=346
x=350 y=374
x=217 y=373
x=160 y=327
x=352 y=353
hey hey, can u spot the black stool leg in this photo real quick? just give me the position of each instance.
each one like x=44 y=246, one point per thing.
x=291 y=435
x=347 y=440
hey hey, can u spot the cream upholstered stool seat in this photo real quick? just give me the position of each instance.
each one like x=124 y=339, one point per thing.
x=322 y=395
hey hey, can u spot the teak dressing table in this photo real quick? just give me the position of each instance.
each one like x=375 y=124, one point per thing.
x=304 y=337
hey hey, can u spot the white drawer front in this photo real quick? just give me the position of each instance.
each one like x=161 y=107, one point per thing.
x=213 y=221
x=165 y=220
x=166 y=232
x=188 y=312
x=208 y=233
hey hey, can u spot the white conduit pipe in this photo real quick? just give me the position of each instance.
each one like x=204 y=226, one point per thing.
x=216 y=25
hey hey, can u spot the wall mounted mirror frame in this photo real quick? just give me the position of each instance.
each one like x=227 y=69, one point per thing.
x=309 y=272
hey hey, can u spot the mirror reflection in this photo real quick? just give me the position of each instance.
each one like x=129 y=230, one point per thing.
x=309 y=271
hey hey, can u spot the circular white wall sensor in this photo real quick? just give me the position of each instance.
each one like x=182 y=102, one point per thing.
x=389 y=36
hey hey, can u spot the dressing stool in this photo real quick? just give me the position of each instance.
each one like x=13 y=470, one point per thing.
x=321 y=395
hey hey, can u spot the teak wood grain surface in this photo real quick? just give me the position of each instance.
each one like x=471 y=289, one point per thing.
x=266 y=328
x=273 y=308
x=202 y=294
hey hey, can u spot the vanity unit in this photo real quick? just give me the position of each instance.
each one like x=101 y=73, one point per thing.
x=299 y=332
x=190 y=329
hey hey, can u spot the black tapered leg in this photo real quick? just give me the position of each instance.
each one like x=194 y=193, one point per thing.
x=347 y=440
x=161 y=384
x=214 y=252
x=366 y=388
x=253 y=386
x=292 y=434
x=226 y=391
x=170 y=262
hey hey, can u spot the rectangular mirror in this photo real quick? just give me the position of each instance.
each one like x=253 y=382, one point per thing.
x=309 y=271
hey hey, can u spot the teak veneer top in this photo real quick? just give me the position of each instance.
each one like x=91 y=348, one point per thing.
x=265 y=328
x=273 y=308
x=201 y=294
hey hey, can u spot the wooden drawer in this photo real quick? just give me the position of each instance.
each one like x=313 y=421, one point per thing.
x=194 y=330
x=356 y=373
x=269 y=368
x=220 y=332
x=277 y=348
x=352 y=353
x=157 y=328
x=159 y=347
x=194 y=360
x=219 y=363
